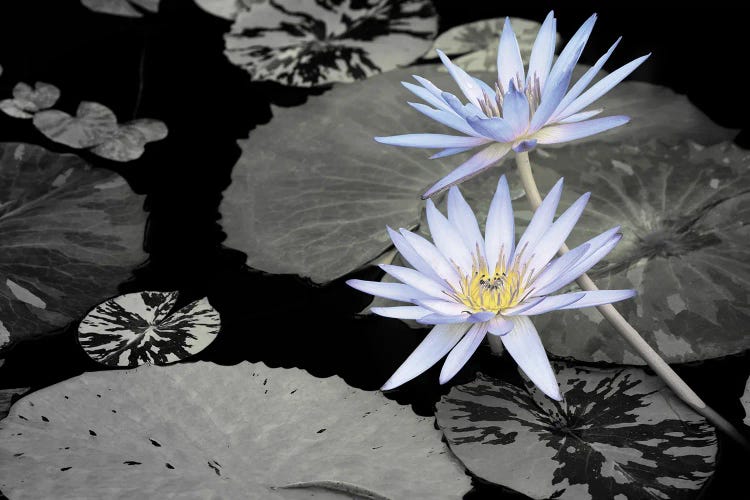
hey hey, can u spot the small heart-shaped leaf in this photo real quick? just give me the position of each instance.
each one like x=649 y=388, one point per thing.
x=92 y=125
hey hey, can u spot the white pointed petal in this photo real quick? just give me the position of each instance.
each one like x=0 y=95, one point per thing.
x=447 y=238
x=485 y=88
x=553 y=239
x=410 y=255
x=447 y=118
x=481 y=317
x=441 y=319
x=602 y=87
x=465 y=111
x=509 y=62
x=432 y=141
x=428 y=97
x=552 y=303
x=463 y=351
x=554 y=134
x=481 y=161
x=466 y=83
x=393 y=291
x=557 y=267
x=499 y=326
x=437 y=344
x=499 y=229
x=415 y=279
x=432 y=256
x=443 y=307
x=431 y=88
x=516 y=110
x=543 y=51
x=583 y=115
x=463 y=219
x=540 y=221
x=497 y=129
x=525 y=346
x=401 y=312
x=559 y=77
x=583 y=82
x=599 y=297
x=448 y=152
x=523 y=307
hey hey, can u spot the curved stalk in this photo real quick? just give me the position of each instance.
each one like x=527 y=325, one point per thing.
x=631 y=335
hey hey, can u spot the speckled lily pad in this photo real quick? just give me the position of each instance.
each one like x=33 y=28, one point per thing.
x=125 y=8
x=313 y=192
x=93 y=124
x=27 y=100
x=138 y=328
x=129 y=141
x=266 y=433
x=619 y=433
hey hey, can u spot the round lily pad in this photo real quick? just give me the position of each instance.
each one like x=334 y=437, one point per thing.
x=618 y=433
x=69 y=235
x=313 y=192
x=138 y=328
x=27 y=101
x=125 y=8
x=207 y=431
x=93 y=124
x=304 y=44
x=129 y=141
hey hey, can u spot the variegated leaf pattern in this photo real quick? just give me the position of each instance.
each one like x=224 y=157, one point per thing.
x=124 y=8
x=130 y=139
x=746 y=402
x=69 y=235
x=313 y=192
x=308 y=43
x=619 y=433
x=201 y=430
x=27 y=100
x=93 y=124
x=137 y=328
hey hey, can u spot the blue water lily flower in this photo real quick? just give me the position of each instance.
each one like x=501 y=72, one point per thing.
x=525 y=108
x=467 y=285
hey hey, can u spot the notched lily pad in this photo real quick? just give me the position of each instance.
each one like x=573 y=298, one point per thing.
x=307 y=44
x=93 y=124
x=129 y=141
x=267 y=433
x=313 y=192
x=137 y=328
x=69 y=235
x=26 y=100
x=619 y=433
x=124 y=8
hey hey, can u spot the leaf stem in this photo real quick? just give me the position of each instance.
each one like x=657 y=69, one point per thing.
x=631 y=335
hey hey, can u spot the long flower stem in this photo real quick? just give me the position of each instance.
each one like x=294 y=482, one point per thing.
x=630 y=334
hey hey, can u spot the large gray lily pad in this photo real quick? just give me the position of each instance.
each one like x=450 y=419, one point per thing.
x=746 y=402
x=227 y=9
x=304 y=44
x=313 y=192
x=69 y=235
x=93 y=124
x=618 y=434
x=159 y=432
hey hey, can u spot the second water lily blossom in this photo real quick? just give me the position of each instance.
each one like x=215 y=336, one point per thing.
x=468 y=285
x=522 y=108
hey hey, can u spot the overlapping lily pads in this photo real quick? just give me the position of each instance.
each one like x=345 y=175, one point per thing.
x=125 y=8
x=268 y=433
x=69 y=235
x=138 y=328
x=619 y=433
x=313 y=192
x=27 y=100
x=304 y=44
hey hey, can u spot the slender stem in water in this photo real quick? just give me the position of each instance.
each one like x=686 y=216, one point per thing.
x=630 y=334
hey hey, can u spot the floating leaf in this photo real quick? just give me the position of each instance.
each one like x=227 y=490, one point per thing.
x=313 y=192
x=306 y=44
x=228 y=9
x=92 y=125
x=137 y=328
x=7 y=396
x=746 y=402
x=69 y=235
x=27 y=101
x=123 y=8
x=485 y=34
x=617 y=434
x=202 y=430
x=130 y=139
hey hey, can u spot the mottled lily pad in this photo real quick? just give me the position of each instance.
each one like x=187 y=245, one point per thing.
x=26 y=100
x=125 y=8
x=227 y=9
x=69 y=235
x=485 y=35
x=93 y=124
x=266 y=433
x=137 y=328
x=7 y=396
x=304 y=44
x=129 y=141
x=619 y=433
x=746 y=402
x=313 y=192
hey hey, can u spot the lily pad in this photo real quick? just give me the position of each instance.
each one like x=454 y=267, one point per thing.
x=26 y=100
x=137 y=328
x=746 y=402
x=485 y=35
x=619 y=433
x=125 y=8
x=268 y=433
x=129 y=141
x=305 y=44
x=6 y=398
x=69 y=235
x=313 y=192
x=227 y=9
x=93 y=124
